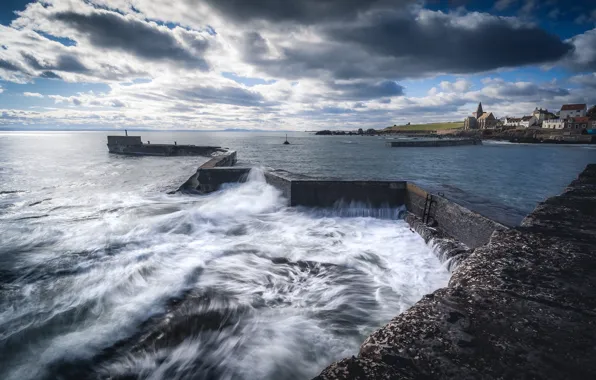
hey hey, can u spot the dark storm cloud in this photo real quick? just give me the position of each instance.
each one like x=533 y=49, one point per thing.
x=224 y=95
x=113 y=31
x=437 y=44
x=408 y=43
x=6 y=65
x=587 y=80
x=300 y=11
x=49 y=75
x=70 y=64
x=63 y=62
x=363 y=91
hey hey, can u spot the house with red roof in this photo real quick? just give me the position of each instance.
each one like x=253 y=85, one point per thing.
x=573 y=110
x=579 y=122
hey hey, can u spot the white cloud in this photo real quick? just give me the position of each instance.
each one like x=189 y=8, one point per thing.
x=335 y=73
x=33 y=94
x=583 y=56
x=460 y=85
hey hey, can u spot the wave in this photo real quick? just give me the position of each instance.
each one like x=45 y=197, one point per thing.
x=231 y=285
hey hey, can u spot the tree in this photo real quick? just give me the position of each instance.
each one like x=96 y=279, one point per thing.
x=592 y=111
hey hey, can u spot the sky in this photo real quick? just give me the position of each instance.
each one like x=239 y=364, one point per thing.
x=289 y=65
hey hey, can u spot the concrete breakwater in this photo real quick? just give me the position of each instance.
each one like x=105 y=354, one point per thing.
x=521 y=306
x=227 y=159
x=520 y=302
x=465 y=226
x=433 y=143
x=132 y=145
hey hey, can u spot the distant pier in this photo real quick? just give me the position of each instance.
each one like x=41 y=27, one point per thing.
x=432 y=143
x=132 y=145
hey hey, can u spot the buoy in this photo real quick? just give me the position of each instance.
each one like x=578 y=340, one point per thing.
x=286 y=142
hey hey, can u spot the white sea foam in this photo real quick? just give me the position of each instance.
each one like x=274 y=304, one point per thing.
x=294 y=289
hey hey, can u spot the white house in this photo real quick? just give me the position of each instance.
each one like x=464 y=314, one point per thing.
x=572 y=110
x=512 y=121
x=553 y=124
x=528 y=121
x=542 y=115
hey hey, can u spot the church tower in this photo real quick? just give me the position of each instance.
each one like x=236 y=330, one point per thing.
x=479 y=111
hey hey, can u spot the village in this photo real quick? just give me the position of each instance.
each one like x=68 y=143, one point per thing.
x=571 y=119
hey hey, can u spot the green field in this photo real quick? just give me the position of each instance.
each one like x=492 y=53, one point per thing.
x=427 y=127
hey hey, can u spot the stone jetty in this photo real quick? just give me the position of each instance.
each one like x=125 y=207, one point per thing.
x=522 y=306
x=432 y=143
x=132 y=145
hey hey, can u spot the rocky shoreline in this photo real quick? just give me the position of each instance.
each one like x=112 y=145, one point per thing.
x=528 y=136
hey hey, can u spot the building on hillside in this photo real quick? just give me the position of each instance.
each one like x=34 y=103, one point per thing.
x=554 y=124
x=572 y=110
x=487 y=121
x=512 y=121
x=542 y=115
x=481 y=120
x=479 y=111
x=578 y=123
x=528 y=122
x=470 y=123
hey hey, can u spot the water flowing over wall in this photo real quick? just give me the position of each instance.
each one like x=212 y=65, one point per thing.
x=520 y=306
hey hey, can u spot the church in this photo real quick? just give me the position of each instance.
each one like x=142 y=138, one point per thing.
x=480 y=120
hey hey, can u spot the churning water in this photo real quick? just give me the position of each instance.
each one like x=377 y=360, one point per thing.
x=104 y=275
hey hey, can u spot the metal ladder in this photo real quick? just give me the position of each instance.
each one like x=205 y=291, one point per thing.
x=427 y=206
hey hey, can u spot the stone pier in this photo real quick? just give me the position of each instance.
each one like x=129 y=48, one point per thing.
x=522 y=306
x=432 y=143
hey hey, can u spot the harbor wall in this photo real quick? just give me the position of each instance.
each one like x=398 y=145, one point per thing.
x=216 y=171
x=459 y=222
x=163 y=150
x=132 y=145
x=521 y=306
x=327 y=193
x=124 y=140
x=456 y=221
x=432 y=143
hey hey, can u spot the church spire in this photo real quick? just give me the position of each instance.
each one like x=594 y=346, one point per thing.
x=479 y=111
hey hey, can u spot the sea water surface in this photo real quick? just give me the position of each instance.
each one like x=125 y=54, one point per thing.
x=501 y=180
x=105 y=275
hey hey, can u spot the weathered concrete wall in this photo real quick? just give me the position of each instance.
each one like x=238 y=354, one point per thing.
x=452 y=219
x=449 y=250
x=223 y=160
x=522 y=306
x=323 y=193
x=164 y=150
x=432 y=143
x=212 y=181
x=282 y=180
x=132 y=145
x=467 y=226
x=124 y=140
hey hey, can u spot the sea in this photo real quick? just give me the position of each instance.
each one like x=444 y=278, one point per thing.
x=107 y=274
